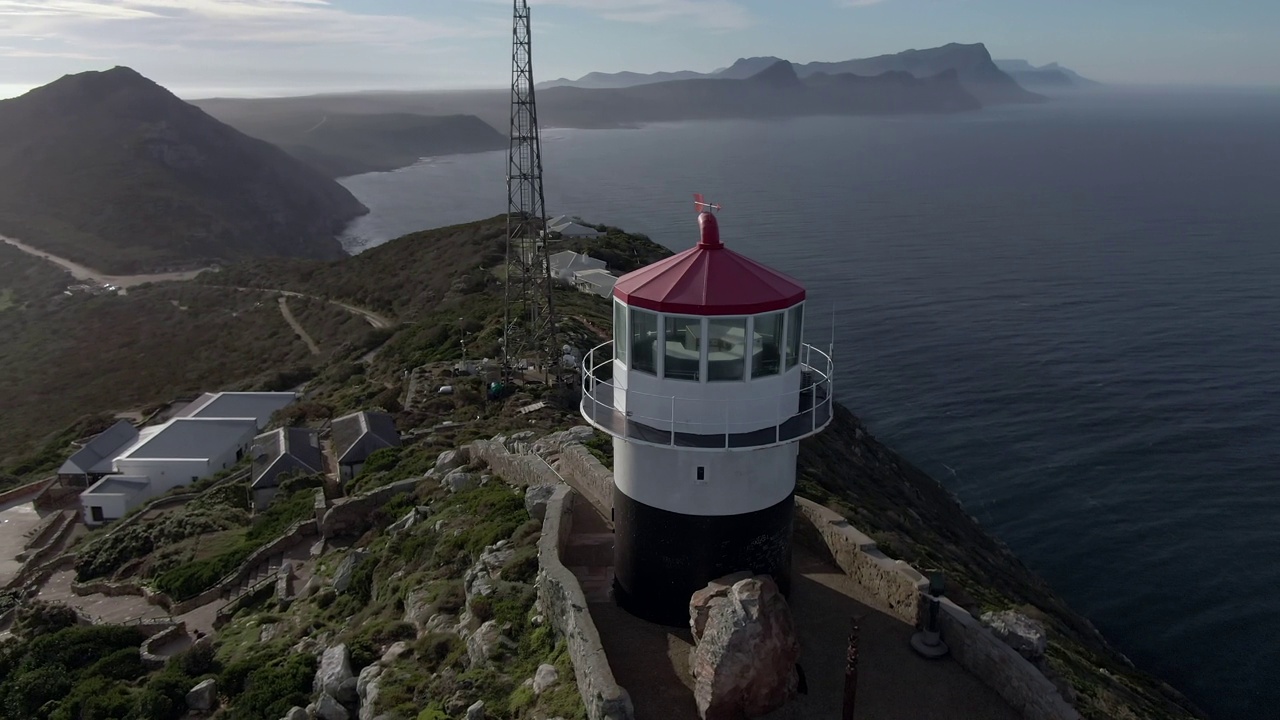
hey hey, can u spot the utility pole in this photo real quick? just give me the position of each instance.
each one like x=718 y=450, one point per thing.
x=529 y=318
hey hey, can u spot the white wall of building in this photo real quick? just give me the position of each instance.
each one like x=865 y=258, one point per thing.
x=165 y=474
x=708 y=407
x=113 y=505
x=732 y=482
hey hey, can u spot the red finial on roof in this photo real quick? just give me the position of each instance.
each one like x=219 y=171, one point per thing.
x=707 y=223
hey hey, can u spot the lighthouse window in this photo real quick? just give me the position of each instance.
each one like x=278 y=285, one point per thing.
x=795 y=328
x=620 y=332
x=726 y=348
x=644 y=336
x=767 y=355
x=684 y=348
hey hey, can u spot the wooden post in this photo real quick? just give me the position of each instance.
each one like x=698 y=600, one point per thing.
x=851 y=674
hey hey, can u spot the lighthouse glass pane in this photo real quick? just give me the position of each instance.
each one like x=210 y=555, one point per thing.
x=684 y=348
x=620 y=332
x=644 y=336
x=795 y=330
x=766 y=357
x=726 y=349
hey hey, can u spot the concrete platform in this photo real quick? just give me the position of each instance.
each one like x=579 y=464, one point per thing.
x=17 y=519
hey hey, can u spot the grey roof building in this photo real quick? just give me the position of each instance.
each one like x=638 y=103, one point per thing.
x=257 y=405
x=359 y=435
x=95 y=457
x=283 y=451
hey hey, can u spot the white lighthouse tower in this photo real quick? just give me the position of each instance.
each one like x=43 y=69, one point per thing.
x=707 y=390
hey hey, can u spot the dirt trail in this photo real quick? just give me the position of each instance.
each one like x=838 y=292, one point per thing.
x=80 y=272
x=297 y=326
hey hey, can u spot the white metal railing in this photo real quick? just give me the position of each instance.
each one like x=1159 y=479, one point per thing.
x=798 y=413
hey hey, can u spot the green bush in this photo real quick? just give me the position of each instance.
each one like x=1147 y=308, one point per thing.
x=273 y=688
x=382 y=460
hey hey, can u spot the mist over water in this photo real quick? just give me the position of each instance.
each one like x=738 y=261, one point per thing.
x=1069 y=314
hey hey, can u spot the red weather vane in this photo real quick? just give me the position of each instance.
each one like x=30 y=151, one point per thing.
x=702 y=205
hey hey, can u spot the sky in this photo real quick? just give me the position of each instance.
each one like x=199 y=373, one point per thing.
x=200 y=48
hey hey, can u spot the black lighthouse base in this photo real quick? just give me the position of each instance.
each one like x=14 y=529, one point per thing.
x=661 y=557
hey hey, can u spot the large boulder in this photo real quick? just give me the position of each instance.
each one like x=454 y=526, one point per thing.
x=536 y=499
x=544 y=678
x=450 y=459
x=367 y=688
x=295 y=713
x=1019 y=632
x=476 y=711
x=701 y=602
x=487 y=642
x=329 y=709
x=334 y=670
x=417 y=608
x=347 y=567
x=204 y=696
x=459 y=480
x=745 y=662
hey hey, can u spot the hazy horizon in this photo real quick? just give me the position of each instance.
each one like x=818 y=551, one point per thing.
x=255 y=48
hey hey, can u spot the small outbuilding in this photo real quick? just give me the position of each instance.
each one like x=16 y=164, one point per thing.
x=576 y=230
x=359 y=435
x=92 y=462
x=281 y=452
x=113 y=496
x=597 y=282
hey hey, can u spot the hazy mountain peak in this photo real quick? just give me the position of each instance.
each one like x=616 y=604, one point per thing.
x=781 y=73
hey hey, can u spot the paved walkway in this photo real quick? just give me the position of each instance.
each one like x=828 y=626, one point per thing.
x=17 y=520
x=652 y=661
x=116 y=610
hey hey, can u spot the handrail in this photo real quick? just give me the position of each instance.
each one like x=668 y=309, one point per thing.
x=788 y=424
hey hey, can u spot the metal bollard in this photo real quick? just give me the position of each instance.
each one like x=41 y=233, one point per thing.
x=928 y=642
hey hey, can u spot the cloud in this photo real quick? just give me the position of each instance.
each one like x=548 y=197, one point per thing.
x=714 y=14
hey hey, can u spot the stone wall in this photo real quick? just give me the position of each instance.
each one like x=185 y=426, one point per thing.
x=561 y=600
x=893 y=582
x=353 y=512
x=162 y=634
x=515 y=469
x=23 y=490
x=588 y=476
x=35 y=559
x=902 y=588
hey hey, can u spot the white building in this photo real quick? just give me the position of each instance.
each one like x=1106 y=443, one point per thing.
x=597 y=282
x=576 y=230
x=112 y=497
x=208 y=436
x=707 y=391
x=93 y=461
x=564 y=265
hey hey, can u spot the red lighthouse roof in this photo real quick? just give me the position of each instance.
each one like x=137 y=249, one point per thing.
x=708 y=279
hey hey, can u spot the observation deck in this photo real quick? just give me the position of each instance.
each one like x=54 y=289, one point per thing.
x=794 y=414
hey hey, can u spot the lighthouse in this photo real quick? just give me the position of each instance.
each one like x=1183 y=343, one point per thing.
x=707 y=390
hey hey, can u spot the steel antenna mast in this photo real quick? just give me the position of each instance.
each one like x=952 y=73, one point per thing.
x=529 y=317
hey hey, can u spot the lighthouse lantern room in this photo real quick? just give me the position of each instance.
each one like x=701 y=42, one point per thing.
x=707 y=390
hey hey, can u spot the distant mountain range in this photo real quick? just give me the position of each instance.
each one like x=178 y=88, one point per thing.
x=1048 y=77
x=111 y=170
x=775 y=91
x=972 y=65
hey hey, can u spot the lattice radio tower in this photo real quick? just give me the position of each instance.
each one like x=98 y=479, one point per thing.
x=530 y=318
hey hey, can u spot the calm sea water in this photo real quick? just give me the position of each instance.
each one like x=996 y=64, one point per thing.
x=1069 y=314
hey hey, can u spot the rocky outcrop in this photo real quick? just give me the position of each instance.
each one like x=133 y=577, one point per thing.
x=334 y=671
x=295 y=713
x=476 y=711
x=1018 y=632
x=481 y=579
x=342 y=576
x=487 y=642
x=544 y=678
x=329 y=709
x=744 y=664
x=535 y=500
x=367 y=690
x=459 y=480
x=204 y=696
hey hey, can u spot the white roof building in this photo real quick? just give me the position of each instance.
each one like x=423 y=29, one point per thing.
x=565 y=264
x=208 y=436
x=576 y=230
x=596 y=280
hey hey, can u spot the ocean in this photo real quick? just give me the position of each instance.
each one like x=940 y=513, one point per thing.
x=1069 y=314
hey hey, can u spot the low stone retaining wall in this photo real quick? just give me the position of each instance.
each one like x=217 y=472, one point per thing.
x=588 y=475
x=903 y=589
x=516 y=469
x=353 y=512
x=561 y=599
x=163 y=633
x=893 y=582
x=22 y=490
x=1020 y=683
